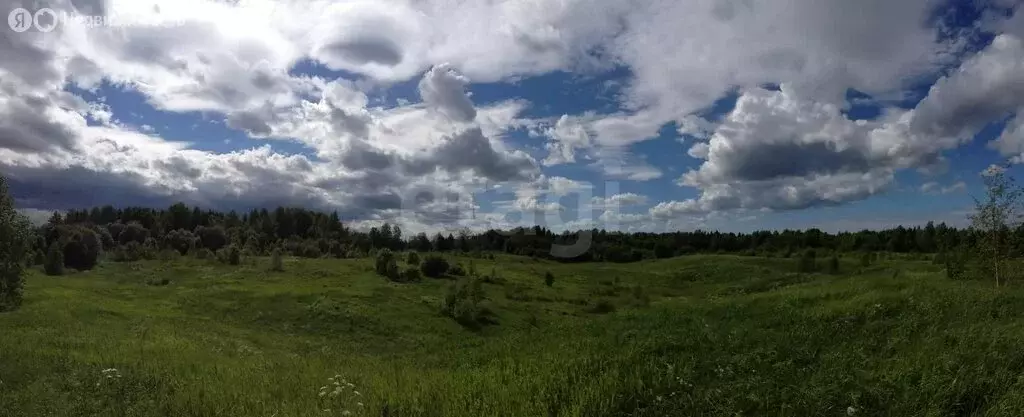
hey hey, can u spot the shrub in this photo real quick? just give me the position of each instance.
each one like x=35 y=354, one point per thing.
x=411 y=275
x=213 y=238
x=180 y=240
x=308 y=249
x=413 y=259
x=39 y=258
x=956 y=264
x=457 y=271
x=434 y=266
x=807 y=262
x=463 y=302
x=132 y=232
x=81 y=247
x=204 y=254
x=230 y=255
x=106 y=240
x=169 y=255
x=149 y=249
x=833 y=265
x=386 y=265
x=54 y=264
x=276 y=264
x=115 y=230
x=549 y=279
x=865 y=259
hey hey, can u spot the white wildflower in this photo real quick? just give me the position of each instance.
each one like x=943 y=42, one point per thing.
x=851 y=410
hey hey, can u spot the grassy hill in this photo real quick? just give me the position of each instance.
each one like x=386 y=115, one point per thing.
x=699 y=335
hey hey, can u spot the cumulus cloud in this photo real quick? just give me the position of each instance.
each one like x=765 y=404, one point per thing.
x=247 y=64
x=776 y=150
x=986 y=88
x=443 y=90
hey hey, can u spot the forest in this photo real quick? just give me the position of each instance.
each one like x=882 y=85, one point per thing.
x=142 y=232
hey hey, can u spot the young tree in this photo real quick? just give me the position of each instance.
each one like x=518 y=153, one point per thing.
x=995 y=217
x=276 y=264
x=54 y=263
x=15 y=241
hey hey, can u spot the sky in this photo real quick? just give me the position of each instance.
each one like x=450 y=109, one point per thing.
x=648 y=115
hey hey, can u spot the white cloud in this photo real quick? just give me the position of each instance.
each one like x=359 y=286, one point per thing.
x=443 y=90
x=986 y=88
x=933 y=187
x=236 y=63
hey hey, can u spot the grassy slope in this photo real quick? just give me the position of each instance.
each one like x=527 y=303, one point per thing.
x=722 y=335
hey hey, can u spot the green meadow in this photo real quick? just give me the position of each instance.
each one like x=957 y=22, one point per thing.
x=688 y=336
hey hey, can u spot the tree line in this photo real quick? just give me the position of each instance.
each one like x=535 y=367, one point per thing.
x=306 y=233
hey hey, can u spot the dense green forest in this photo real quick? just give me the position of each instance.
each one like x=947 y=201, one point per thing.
x=305 y=233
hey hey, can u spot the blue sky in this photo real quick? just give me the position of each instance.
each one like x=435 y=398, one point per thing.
x=713 y=114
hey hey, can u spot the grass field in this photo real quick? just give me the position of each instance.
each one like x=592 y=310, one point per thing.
x=699 y=335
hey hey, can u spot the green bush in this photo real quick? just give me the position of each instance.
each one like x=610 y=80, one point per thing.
x=549 y=279
x=132 y=232
x=956 y=264
x=387 y=266
x=54 y=264
x=463 y=302
x=833 y=265
x=807 y=262
x=169 y=255
x=434 y=266
x=411 y=275
x=180 y=240
x=230 y=255
x=213 y=238
x=865 y=259
x=204 y=254
x=457 y=271
x=413 y=259
x=276 y=264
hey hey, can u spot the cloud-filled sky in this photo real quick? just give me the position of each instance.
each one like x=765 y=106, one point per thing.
x=645 y=115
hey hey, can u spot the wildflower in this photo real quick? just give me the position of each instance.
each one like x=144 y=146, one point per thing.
x=359 y=404
x=346 y=412
x=851 y=410
x=356 y=393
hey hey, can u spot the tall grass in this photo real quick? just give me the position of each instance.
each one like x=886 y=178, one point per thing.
x=720 y=335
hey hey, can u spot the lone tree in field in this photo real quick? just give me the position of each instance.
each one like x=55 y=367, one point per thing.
x=14 y=245
x=994 y=219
